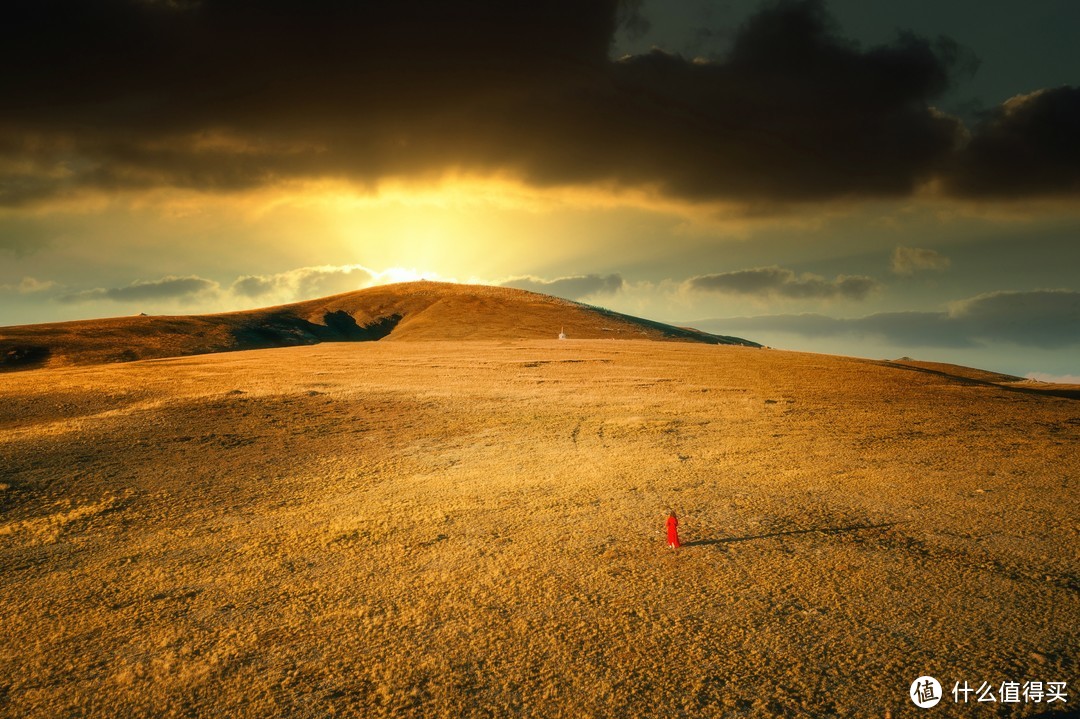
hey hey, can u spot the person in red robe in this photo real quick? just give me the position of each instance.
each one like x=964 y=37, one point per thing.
x=673 y=531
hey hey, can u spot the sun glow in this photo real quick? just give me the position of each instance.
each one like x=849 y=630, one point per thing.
x=409 y=274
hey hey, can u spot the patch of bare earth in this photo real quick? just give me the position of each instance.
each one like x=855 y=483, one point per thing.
x=471 y=529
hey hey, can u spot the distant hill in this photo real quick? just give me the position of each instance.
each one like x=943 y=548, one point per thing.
x=958 y=371
x=418 y=311
x=979 y=376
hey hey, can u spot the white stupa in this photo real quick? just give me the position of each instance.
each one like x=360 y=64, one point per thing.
x=562 y=334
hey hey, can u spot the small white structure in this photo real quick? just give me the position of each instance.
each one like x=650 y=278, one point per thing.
x=562 y=335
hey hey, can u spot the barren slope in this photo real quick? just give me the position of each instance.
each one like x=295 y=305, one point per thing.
x=474 y=529
x=408 y=311
x=972 y=375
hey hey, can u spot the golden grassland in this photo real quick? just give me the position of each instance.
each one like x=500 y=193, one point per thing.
x=475 y=529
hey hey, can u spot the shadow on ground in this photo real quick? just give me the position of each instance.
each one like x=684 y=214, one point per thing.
x=818 y=530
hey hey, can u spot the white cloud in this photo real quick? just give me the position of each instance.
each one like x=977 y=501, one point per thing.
x=305 y=282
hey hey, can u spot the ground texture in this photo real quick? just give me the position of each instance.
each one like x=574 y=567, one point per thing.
x=475 y=529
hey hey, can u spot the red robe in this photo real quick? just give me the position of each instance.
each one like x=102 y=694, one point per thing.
x=673 y=532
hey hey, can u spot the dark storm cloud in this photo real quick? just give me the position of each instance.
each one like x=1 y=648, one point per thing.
x=780 y=282
x=1028 y=146
x=571 y=288
x=223 y=95
x=1044 y=318
x=1047 y=319
x=164 y=289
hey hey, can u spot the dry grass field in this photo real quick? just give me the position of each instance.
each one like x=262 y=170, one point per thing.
x=475 y=529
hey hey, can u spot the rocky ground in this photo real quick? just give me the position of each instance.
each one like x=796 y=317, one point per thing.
x=475 y=529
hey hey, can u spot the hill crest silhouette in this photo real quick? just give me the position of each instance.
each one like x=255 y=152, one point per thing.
x=410 y=311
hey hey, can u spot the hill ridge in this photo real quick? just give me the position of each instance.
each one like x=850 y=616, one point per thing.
x=410 y=311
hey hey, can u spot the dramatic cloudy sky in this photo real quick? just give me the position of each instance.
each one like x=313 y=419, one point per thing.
x=862 y=177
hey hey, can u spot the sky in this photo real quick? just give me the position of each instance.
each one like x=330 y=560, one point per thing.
x=856 y=177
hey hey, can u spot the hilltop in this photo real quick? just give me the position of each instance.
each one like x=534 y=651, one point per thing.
x=411 y=311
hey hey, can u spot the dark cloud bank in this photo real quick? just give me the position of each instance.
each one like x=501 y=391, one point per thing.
x=571 y=288
x=167 y=288
x=780 y=282
x=231 y=94
x=1046 y=319
x=298 y=284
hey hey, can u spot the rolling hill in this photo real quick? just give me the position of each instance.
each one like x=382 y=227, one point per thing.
x=414 y=311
